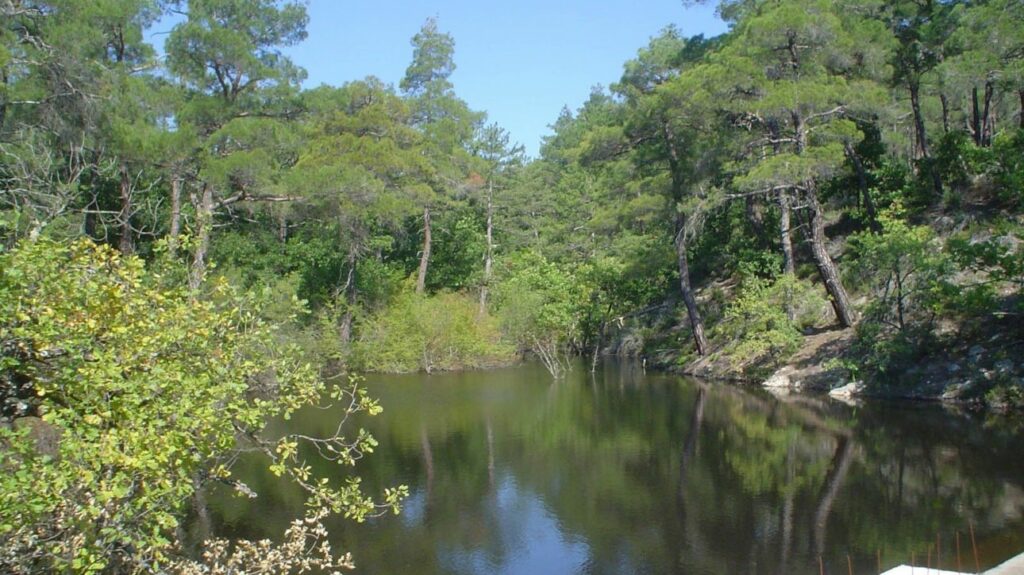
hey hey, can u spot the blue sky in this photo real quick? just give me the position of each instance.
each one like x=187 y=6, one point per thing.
x=521 y=61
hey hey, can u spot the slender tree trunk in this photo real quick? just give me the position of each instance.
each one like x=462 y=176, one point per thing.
x=975 y=116
x=862 y=185
x=696 y=322
x=922 y=136
x=126 y=245
x=345 y=330
x=175 y=231
x=919 y=125
x=826 y=267
x=4 y=78
x=489 y=253
x=685 y=288
x=204 y=228
x=421 y=278
x=919 y=128
x=282 y=227
x=755 y=216
x=986 y=115
x=785 y=236
x=945 y=112
x=1020 y=119
x=89 y=220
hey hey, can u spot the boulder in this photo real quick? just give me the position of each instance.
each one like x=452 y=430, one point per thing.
x=852 y=389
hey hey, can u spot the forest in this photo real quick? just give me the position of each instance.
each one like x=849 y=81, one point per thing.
x=191 y=243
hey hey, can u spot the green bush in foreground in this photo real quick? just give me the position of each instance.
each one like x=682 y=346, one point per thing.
x=121 y=397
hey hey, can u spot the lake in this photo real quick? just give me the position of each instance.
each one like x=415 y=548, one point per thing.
x=634 y=472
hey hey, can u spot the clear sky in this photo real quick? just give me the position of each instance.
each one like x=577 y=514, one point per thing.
x=521 y=61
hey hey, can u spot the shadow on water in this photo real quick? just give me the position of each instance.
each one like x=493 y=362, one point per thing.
x=628 y=472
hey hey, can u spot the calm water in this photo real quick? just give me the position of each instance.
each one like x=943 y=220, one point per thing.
x=632 y=473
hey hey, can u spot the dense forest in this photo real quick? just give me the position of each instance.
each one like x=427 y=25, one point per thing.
x=192 y=224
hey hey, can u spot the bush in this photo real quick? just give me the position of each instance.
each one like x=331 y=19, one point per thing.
x=440 y=332
x=763 y=326
x=121 y=397
x=541 y=307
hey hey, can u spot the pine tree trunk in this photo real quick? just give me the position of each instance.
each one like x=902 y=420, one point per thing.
x=945 y=112
x=1020 y=119
x=282 y=227
x=204 y=227
x=175 y=231
x=489 y=253
x=421 y=278
x=345 y=330
x=975 y=117
x=826 y=267
x=696 y=322
x=126 y=244
x=922 y=137
x=785 y=235
x=862 y=184
x=755 y=216
x=986 y=116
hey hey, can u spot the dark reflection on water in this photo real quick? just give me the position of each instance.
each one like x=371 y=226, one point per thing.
x=632 y=473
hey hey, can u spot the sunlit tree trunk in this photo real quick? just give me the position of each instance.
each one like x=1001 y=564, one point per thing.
x=826 y=267
x=686 y=290
x=489 y=253
x=204 y=227
x=922 y=135
x=785 y=235
x=421 y=278
x=126 y=244
x=349 y=291
x=175 y=228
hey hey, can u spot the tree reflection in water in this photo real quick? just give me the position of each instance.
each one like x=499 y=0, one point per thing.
x=630 y=472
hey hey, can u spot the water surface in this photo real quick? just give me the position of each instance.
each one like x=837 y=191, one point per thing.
x=627 y=472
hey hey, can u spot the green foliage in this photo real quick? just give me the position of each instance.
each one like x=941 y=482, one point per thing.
x=141 y=391
x=429 y=333
x=763 y=325
x=908 y=276
x=907 y=270
x=539 y=304
x=1009 y=172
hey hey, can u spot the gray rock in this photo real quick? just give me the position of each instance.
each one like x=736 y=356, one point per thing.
x=778 y=379
x=976 y=352
x=956 y=390
x=1004 y=367
x=852 y=389
x=953 y=368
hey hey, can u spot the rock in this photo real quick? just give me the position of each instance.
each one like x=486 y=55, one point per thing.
x=976 y=352
x=1004 y=367
x=852 y=389
x=780 y=379
x=953 y=368
x=956 y=391
x=45 y=435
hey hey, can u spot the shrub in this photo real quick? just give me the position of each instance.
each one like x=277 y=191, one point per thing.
x=439 y=332
x=762 y=326
x=122 y=397
x=540 y=306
